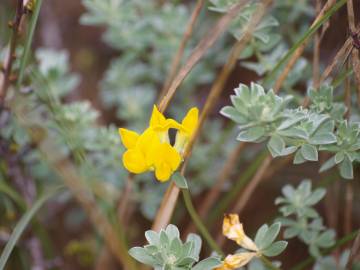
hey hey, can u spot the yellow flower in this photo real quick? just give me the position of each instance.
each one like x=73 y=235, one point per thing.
x=186 y=129
x=236 y=261
x=233 y=229
x=151 y=150
x=161 y=125
x=146 y=152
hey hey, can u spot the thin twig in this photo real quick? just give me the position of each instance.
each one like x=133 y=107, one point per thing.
x=8 y=66
x=180 y=52
x=355 y=53
x=344 y=50
x=199 y=51
x=279 y=82
x=316 y=53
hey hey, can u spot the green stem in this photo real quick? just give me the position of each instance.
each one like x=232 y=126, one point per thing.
x=268 y=263
x=198 y=223
x=307 y=34
x=347 y=238
x=29 y=38
x=231 y=195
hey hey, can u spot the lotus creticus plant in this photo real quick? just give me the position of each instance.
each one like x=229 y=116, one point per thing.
x=152 y=151
x=233 y=229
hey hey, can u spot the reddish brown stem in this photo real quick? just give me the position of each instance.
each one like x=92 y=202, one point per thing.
x=8 y=66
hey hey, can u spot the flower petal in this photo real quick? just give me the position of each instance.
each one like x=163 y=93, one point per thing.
x=162 y=171
x=233 y=229
x=128 y=137
x=237 y=260
x=134 y=161
x=157 y=118
x=190 y=121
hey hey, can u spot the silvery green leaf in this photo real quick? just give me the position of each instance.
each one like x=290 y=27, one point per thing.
x=270 y=235
x=164 y=239
x=275 y=249
x=326 y=239
x=276 y=145
x=339 y=157
x=346 y=168
x=251 y=135
x=180 y=180
x=309 y=152
x=291 y=232
x=196 y=240
x=151 y=249
x=288 y=150
x=298 y=158
x=323 y=138
x=328 y=164
x=172 y=232
x=296 y=118
x=260 y=234
x=176 y=247
x=186 y=261
x=288 y=191
x=207 y=264
x=142 y=256
x=314 y=251
x=233 y=114
x=315 y=196
x=152 y=237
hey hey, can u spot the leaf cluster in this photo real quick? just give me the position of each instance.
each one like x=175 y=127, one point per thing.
x=166 y=251
x=303 y=132
x=301 y=218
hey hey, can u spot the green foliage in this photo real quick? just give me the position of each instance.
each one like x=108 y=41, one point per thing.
x=302 y=220
x=54 y=65
x=264 y=38
x=262 y=116
x=265 y=237
x=166 y=251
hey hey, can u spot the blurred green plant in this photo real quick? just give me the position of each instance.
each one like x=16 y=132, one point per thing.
x=302 y=220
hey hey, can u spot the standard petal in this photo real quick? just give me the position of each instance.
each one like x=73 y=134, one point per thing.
x=157 y=118
x=190 y=121
x=134 y=161
x=128 y=137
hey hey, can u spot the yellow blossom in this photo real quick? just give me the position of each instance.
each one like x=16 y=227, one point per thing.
x=146 y=152
x=151 y=150
x=186 y=129
x=236 y=261
x=233 y=229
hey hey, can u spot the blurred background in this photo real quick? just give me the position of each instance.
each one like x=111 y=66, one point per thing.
x=106 y=62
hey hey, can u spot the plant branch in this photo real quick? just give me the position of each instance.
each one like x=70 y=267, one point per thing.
x=180 y=52
x=29 y=38
x=8 y=66
x=205 y=43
